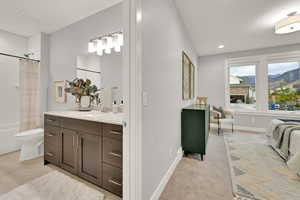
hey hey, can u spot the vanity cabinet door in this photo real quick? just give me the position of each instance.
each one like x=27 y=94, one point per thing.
x=68 y=142
x=89 y=151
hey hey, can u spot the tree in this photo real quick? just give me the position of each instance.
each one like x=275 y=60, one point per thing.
x=285 y=95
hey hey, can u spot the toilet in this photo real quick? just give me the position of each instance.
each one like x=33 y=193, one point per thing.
x=32 y=142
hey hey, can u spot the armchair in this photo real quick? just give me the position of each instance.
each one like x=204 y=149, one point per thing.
x=227 y=118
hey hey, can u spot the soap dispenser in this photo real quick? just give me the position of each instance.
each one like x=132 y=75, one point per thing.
x=121 y=106
x=115 y=107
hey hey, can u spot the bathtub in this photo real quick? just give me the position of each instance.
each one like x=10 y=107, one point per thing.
x=8 y=142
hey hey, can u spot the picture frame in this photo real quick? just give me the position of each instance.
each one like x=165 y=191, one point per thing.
x=188 y=78
x=59 y=90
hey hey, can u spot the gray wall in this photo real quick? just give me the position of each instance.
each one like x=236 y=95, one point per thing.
x=164 y=38
x=211 y=79
x=66 y=44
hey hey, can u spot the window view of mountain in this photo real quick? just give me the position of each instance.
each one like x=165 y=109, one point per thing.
x=284 y=86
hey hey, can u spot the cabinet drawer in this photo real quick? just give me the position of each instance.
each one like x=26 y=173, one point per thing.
x=112 y=131
x=112 y=179
x=82 y=125
x=112 y=152
x=52 y=120
x=52 y=154
x=52 y=135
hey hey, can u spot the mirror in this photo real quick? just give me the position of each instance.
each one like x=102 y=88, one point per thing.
x=104 y=72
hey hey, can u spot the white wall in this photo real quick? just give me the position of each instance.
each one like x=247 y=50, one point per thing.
x=68 y=43
x=164 y=38
x=9 y=76
x=211 y=77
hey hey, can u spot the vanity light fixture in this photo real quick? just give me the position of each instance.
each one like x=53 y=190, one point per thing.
x=289 y=24
x=221 y=46
x=107 y=43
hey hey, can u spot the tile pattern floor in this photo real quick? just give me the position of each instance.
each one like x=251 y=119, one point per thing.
x=197 y=180
x=14 y=173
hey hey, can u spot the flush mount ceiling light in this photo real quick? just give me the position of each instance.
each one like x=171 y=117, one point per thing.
x=289 y=24
x=106 y=43
x=221 y=46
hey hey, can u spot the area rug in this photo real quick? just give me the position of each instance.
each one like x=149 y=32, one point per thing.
x=53 y=186
x=257 y=171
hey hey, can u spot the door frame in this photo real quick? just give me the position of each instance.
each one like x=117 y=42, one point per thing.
x=132 y=92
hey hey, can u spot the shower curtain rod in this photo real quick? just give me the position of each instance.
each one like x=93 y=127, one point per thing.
x=5 y=54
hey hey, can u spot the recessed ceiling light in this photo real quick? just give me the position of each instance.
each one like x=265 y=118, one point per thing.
x=221 y=46
x=289 y=24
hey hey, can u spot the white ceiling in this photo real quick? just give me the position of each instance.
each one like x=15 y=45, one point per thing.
x=237 y=24
x=28 y=17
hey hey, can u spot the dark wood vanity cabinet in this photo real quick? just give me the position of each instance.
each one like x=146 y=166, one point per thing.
x=91 y=150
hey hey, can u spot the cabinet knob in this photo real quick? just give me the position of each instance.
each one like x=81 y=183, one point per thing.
x=50 y=120
x=115 y=132
x=49 y=154
x=115 y=182
x=115 y=154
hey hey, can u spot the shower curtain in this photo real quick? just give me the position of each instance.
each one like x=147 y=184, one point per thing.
x=30 y=116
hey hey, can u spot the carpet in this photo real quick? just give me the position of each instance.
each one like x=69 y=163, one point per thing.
x=257 y=171
x=53 y=186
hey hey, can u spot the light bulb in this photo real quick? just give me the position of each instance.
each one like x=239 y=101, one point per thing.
x=91 y=47
x=109 y=42
x=99 y=47
x=109 y=45
x=120 y=39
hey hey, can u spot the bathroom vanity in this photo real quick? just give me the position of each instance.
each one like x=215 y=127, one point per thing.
x=86 y=144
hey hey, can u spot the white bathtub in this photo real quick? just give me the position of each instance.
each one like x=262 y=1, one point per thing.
x=8 y=142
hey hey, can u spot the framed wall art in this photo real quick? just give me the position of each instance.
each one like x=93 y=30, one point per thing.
x=188 y=78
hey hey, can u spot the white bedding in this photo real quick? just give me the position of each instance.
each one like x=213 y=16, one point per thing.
x=295 y=143
x=294 y=148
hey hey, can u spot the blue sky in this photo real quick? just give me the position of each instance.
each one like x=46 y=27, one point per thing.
x=276 y=68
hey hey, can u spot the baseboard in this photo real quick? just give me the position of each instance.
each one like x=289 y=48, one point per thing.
x=240 y=128
x=167 y=176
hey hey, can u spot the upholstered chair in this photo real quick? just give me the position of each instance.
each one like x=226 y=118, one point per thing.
x=221 y=121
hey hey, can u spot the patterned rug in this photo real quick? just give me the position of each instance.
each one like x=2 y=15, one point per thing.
x=53 y=186
x=257 y=171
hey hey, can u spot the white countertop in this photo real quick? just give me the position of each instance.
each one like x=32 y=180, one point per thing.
x=96 y=116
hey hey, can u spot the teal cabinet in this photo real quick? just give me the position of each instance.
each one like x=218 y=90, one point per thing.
x=195 y=129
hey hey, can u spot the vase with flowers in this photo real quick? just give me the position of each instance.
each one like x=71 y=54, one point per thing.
x=85 y=93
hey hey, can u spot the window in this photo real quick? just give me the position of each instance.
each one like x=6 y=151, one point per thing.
x=242 y=87
x=284 y=86
x=264 y=83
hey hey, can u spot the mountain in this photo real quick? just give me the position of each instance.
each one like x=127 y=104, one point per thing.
x=287 y=77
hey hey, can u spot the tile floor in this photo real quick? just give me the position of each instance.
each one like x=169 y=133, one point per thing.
x=197 y=180
x=14 y=173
